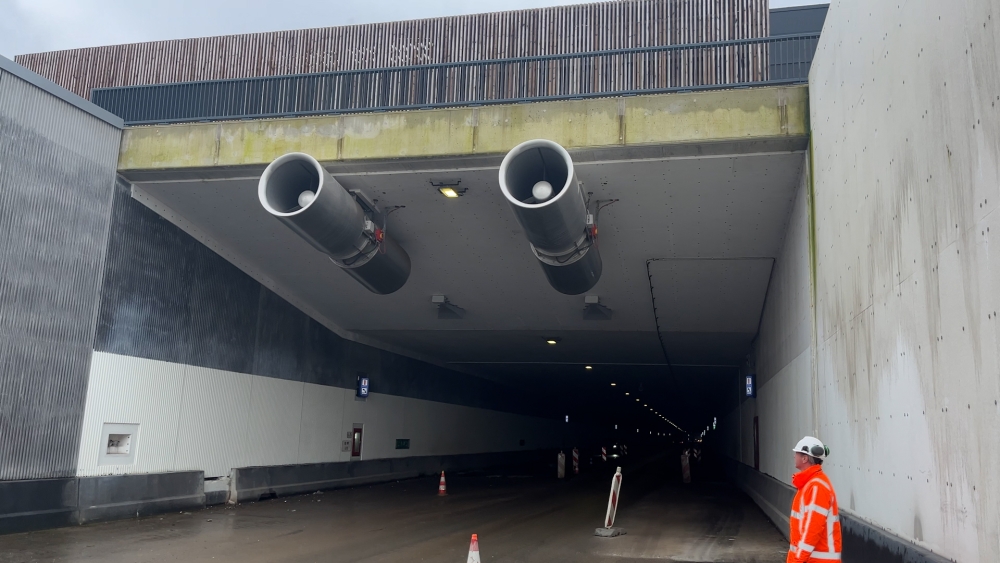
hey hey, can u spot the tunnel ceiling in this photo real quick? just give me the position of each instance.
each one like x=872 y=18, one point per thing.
x=709 y=228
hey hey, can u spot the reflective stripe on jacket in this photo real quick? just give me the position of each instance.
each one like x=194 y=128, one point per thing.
x=815 y=521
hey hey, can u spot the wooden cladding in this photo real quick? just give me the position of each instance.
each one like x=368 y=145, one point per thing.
x=501 y=35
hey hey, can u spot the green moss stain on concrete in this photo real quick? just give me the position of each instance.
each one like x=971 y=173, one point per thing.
x=422 y=133
x=572 y=123
x=663 y=119
x=712 y=116
x=189 y=146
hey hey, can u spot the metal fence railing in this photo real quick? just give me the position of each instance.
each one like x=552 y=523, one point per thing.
x=699 y=66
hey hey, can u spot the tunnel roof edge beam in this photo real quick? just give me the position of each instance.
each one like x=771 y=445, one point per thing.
x=752 y=117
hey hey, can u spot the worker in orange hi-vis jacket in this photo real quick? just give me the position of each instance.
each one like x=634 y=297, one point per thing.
x=815 y=521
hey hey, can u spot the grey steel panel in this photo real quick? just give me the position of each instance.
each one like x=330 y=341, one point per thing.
x=58 y=91
x=281 y=331
x=149 y=271
x=477 y=37
x=57 y=170
x=223 y=314
x=322 y=357
x=799 y=19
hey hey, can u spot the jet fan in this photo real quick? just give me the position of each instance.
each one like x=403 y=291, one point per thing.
x=346 y=226
x=538 y=179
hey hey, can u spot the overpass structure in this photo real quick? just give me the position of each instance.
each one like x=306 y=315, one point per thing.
x=791 y=244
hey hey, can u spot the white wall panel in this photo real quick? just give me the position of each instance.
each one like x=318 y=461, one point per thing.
x=124 y=390
x=782 y=357
x=214 y=420
x=215 y=413
x=784 y=410
x=322 y=420
x=275 y=418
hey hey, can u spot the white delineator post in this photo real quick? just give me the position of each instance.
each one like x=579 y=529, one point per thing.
x=561 y=465
x=576 y=461
x=604 y=453
x=616 y=485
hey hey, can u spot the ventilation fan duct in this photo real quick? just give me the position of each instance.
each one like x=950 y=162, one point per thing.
x=538 y=179
x=345 y=226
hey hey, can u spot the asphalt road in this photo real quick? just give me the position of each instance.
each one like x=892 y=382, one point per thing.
x=518 y=517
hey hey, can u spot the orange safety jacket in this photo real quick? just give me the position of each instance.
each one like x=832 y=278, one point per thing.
x=815 y=521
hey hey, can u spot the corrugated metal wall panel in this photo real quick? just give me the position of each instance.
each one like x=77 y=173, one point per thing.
x=543 y=31
x=213 y=428
x=57 y=169
x=127 y=390
x=275 y=421
x=322 y=424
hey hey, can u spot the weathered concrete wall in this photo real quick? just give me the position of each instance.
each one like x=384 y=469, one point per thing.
x=880 y=331
x=905 y=110
x=696 y=118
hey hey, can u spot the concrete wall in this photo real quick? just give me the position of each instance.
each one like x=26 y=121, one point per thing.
x=901 y=376
x=905 y=102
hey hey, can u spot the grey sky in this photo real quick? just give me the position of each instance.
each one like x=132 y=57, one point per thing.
x=28 y=26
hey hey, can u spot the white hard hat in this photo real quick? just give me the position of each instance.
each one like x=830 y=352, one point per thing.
x=812 y=447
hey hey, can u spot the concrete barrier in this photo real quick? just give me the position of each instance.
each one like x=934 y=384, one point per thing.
x=51 y=503
x=255 y=483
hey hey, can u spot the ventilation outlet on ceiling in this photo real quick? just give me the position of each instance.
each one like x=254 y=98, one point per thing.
x=346 y=226
x=539 y=182
x=594 y=311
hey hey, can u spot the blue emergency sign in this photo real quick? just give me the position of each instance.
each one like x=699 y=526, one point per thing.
x=362 y=386
x=751 y=385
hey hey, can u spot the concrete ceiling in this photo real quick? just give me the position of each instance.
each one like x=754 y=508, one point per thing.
x=709 y=227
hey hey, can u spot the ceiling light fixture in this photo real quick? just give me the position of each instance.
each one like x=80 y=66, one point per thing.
x=626 y=393
x=613 y=384
x=588 y=367
x=449 y=187
x=552 y=341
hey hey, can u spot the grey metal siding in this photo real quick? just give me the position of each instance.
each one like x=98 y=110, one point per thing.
x=477 y=37
x=57 y=170
x=168 y=297
x=800 y=19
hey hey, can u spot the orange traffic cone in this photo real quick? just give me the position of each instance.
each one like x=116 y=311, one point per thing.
x=474 y=550
x=442 y=487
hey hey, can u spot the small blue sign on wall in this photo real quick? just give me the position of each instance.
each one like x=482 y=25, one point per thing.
x=751 y=385
x=362 y=386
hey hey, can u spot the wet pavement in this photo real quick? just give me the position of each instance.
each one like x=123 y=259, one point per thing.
x=519 y=518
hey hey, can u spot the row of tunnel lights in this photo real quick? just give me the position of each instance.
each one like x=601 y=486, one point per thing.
x=645 y=405
x=554 y=341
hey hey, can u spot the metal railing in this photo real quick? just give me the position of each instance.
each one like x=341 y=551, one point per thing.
x=672 y=68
